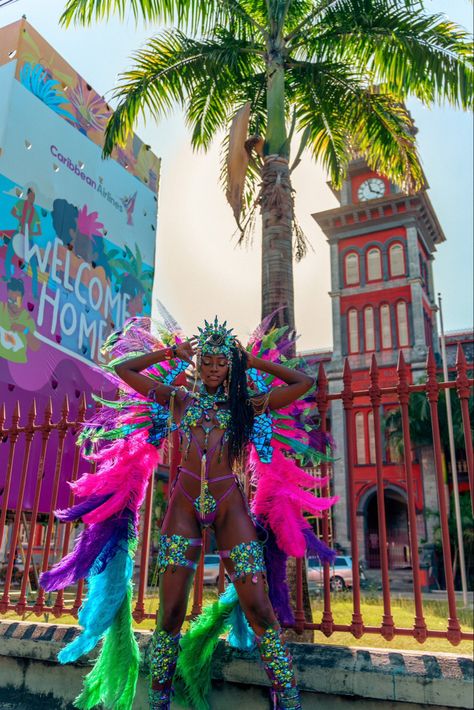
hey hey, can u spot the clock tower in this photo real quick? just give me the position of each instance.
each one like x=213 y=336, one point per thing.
x=382 y=244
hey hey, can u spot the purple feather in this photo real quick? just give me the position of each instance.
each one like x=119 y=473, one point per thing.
x=93 y=548
x=275 y=561
x=315 y=546
x=77 y=511
x=320 y=440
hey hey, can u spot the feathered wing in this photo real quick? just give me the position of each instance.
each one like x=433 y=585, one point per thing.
x=283 y=442
x=123 y=440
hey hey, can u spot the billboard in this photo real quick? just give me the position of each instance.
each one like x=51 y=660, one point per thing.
x=77 y=233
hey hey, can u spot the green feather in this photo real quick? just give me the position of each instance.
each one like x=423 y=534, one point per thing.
x=193 y=674
x=112 y=681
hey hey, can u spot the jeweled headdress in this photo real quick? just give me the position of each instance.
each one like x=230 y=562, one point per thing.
x=215 y=339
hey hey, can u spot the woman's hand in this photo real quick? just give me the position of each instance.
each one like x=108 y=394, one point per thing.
x=249 y=358
x=186 y=350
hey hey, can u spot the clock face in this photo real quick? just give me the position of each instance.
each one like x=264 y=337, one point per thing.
x=371 y=189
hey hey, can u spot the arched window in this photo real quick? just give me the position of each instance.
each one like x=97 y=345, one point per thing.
x=370 y=427
x=352 y=269
x=369 y=328
x=385 y=326
x=352 y=319
x=374 y=265
x=360 y=438
x=402 y=325
x=397 y=260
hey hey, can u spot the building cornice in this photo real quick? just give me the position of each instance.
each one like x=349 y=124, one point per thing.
x=389 y=211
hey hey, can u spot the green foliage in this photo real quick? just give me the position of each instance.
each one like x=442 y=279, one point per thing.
x=420 y=421
x=348 y=66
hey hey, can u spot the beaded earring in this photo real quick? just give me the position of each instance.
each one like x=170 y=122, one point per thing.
x=228 y=379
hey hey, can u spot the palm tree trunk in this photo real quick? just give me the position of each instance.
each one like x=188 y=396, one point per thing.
x=277 y=255
x=276 y=201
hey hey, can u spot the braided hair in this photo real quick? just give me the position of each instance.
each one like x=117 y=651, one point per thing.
x=242 y=411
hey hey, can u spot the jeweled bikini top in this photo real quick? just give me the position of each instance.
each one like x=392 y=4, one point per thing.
x=204 y=412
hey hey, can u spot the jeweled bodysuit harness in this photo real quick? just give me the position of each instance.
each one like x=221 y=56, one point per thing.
x=204 y=413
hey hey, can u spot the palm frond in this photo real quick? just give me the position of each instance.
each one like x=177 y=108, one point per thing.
x=203 y=77
x=401 y=46
x=195 y=16
x=252 y=91
x=342 y=113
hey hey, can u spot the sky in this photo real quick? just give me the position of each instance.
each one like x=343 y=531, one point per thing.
x=199 y=270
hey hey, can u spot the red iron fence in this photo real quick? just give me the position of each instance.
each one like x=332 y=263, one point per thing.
x=31 y=539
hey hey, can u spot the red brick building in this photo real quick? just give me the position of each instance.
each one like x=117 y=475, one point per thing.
x=382 y=246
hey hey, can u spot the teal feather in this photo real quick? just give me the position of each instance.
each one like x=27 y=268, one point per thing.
x=112 y=681
x=106 y=592
x=241 y=635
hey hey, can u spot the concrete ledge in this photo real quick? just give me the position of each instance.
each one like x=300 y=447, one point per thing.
x=330 y=677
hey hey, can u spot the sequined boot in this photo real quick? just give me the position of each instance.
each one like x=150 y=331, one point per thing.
x=162 y=657
x=278 y=666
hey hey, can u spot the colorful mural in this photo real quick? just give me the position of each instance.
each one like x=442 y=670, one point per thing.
x=77 y=233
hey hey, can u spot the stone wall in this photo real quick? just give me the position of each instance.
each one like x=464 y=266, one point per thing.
x=330 y=677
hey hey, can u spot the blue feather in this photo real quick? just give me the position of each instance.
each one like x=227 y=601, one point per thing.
x=241 y=636
x=106 y=593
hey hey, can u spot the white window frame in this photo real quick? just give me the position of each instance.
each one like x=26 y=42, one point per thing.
x=361 y=449
x=386 y=340
x=369 y=336
x=371 y=434
x=353 y=330
x=403 y=331
x=355 y=280
x=401 y=270
x=374 y=268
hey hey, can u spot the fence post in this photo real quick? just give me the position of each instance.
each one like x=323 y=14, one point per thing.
x=29 y=431
x=463 y=389
x=403 y=391
x=46 y=430
x=432 y=391
x=13 y=436
x=357 y=624
x=62 y=431
x=139 y=611
x=81 y=415
x=327 y=621
x=376 y=400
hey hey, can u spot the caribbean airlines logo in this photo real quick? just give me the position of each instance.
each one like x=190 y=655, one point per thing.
x=78 y=169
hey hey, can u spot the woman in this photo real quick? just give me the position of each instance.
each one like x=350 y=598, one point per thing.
x=216 y=425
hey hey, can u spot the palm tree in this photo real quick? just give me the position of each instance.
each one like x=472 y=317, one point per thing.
x=334 y=72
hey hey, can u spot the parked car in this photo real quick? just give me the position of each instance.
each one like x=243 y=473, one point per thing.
x=341 y=573
x=211 y=569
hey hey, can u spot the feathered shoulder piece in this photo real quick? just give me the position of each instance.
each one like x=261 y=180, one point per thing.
x=131 y=412
x=123 y=440
x=293 y=429
x=285 y=442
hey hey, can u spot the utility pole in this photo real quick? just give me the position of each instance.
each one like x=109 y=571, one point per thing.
x=454 y=470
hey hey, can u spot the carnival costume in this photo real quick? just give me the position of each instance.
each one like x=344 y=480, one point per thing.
x=125 y=440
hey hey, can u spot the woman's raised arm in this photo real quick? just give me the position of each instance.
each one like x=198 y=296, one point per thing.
x=297 y=382
x=130 y=370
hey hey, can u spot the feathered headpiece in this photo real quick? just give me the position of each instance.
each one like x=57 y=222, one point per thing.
x=215 y=339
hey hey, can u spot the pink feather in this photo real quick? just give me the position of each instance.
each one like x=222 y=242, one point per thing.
x=123 y=472
x=280 y=500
